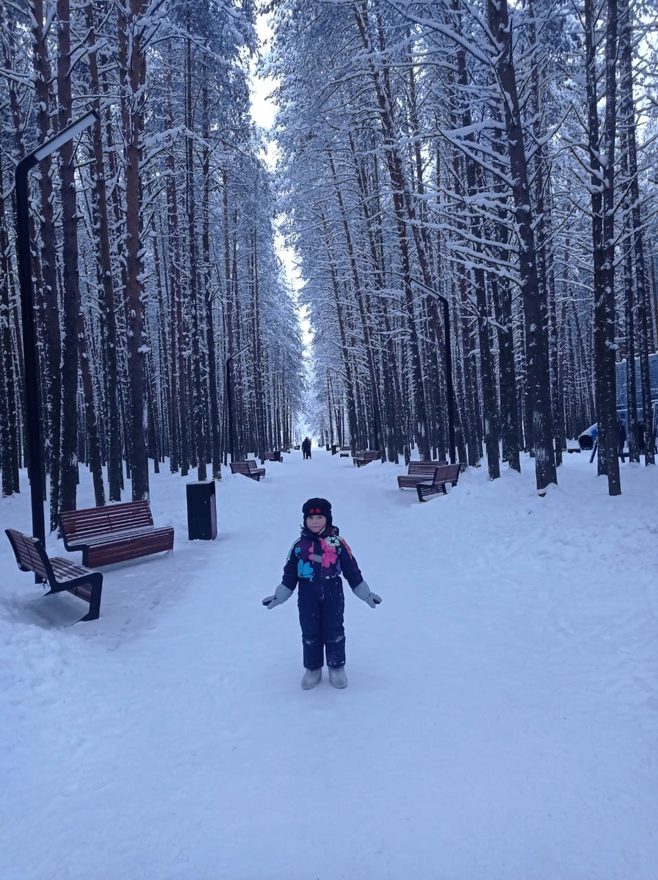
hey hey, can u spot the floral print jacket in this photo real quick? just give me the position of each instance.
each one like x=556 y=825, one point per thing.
x=313 y=558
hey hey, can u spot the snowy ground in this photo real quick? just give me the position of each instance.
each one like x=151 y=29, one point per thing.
x=501 y=721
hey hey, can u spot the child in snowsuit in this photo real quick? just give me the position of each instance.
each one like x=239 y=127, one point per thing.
x=315 y=562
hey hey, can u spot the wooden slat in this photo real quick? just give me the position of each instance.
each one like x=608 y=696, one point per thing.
x=448 y=472
x=27 y=553
x=120 y=551
x=65 y=570
x=79 y=524
x=145 y=537
x=113 y=537
x=421 y=467
x=407 y=482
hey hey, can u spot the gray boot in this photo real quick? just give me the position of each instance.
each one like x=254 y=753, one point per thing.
x=337 y=677
x=311 y=678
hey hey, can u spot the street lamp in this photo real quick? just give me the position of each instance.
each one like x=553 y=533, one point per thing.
x=32 y=411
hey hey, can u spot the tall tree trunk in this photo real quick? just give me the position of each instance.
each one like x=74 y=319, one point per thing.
x=344 y=348
x=390 y=374
x=642 y=287
x=208 y=297
x=105 y=274
x=43 y=77
x=603 y=218
x=534 y=309
x=542 y=226
x=91 y=420
x=400 y=210
x=489 y=390
x=132 y=71
x=9 y=384
x=193 y=286
x=359 y=295
x=71 y=285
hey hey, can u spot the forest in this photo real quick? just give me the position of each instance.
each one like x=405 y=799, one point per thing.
x=468 y=188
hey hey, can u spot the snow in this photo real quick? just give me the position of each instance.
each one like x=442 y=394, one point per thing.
x=501 y=718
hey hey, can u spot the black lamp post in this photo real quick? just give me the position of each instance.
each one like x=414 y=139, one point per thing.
x=32 y=411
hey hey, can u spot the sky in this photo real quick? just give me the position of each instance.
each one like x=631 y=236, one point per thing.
x=263 y=106
x=263 y=112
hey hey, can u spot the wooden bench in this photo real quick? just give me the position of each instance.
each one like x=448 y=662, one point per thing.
x=418 y=472
x=275 y=455
x=60 y=574
x=444 y=474
x=363 y=458
x=247 y=469
x=114 y=533
x=344 y=452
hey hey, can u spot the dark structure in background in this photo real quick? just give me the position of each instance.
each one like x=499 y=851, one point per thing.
x=622 y=389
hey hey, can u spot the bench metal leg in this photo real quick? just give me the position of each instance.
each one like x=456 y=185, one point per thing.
x=425 y=492
x=96 y=584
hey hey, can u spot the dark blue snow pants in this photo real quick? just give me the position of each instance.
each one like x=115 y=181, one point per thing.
x=321 y=605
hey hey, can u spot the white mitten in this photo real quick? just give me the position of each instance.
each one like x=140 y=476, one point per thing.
x=281 y=595
x=363 y=592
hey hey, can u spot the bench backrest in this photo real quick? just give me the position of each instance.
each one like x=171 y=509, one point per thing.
x=243 y=467
x=92 y=521
x=30 y=554
x=423 y=468
x=447 y=472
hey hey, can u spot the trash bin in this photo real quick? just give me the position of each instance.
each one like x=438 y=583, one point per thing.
x=201 y=511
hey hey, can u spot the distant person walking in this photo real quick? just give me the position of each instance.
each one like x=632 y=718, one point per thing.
x=306 y=447
x=622 y=439
x=639 y=437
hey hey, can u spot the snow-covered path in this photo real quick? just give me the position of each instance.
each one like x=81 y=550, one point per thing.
x=501 y=720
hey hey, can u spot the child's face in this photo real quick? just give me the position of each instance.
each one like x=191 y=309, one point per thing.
x=316 y=523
